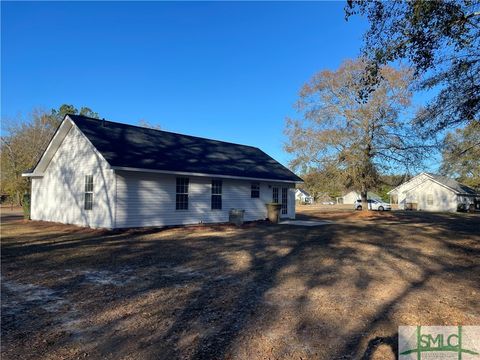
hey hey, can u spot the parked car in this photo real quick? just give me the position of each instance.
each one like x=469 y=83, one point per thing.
x=328 y=203
x=373 y=205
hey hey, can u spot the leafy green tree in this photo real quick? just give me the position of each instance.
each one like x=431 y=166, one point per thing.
x=461 y=155
x=57 y=115
x=359 y=138
x=389 y=182
x=440 y=40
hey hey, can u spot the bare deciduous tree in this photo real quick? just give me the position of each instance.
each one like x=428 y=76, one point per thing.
x=360 y=137
x=146 y=124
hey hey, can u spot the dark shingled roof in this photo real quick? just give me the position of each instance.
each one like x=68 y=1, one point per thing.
x=131 y=146
x=453 y=184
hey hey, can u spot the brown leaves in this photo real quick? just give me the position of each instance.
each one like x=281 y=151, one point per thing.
x=338 y=126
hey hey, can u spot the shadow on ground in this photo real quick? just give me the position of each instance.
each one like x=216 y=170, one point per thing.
x=220 y=292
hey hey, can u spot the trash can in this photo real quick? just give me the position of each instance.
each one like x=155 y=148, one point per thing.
x=235 y=216
x=273 y=212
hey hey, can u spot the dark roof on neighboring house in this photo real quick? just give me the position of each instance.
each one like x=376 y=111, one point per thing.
x=453 y=184
x=131 y=146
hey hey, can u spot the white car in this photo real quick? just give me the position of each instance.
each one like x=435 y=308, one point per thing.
x=373 y=205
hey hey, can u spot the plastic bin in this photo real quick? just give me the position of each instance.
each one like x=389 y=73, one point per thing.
x=273 y=212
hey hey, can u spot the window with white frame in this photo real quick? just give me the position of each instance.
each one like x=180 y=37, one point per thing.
x=429 y=199
x=181 y=201
x=216 y=194
x=88 y=196
x=255 y=190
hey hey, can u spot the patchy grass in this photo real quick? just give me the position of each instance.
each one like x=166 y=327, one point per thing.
x=219 y=292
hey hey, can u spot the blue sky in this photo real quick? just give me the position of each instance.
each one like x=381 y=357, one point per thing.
x=222 y=70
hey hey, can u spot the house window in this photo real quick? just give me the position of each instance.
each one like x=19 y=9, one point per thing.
x=88 y=198
x=255 y=190
x=216 y=194
x=181 y=201
x=429 y=199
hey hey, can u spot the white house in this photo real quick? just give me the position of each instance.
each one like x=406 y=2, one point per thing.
x=432 y=192
x=104 y=174
x=303 y=196
x=352 y=196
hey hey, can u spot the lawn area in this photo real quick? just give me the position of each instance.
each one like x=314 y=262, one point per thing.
x=262 y=291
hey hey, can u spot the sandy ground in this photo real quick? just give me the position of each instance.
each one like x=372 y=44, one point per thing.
x=262 y=291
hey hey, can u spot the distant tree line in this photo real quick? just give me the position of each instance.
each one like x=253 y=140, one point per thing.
x=23 y=142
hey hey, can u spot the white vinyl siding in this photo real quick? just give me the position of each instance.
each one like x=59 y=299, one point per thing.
x=429 y=196
x=59 y=195
x=134 y=199
x=147 y=199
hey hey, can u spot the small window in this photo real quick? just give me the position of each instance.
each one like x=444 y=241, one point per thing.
x=181 y=201
x=216 y=194
x=88 y=199
x=255 y=190
x=429 y=199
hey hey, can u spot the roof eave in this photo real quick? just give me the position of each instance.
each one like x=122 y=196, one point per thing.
x=32 y=174
x=185 y=173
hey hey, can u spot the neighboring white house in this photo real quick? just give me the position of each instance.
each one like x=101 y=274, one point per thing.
x=104 y=174
x=303 y=196
x=352 y=196
x=432 y=192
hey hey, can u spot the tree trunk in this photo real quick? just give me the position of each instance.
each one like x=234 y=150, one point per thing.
x=363 y=196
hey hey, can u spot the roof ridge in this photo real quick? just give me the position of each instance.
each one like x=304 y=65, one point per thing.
x=165 y=131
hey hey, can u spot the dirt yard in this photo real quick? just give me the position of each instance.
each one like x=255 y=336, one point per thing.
x=262 y=291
